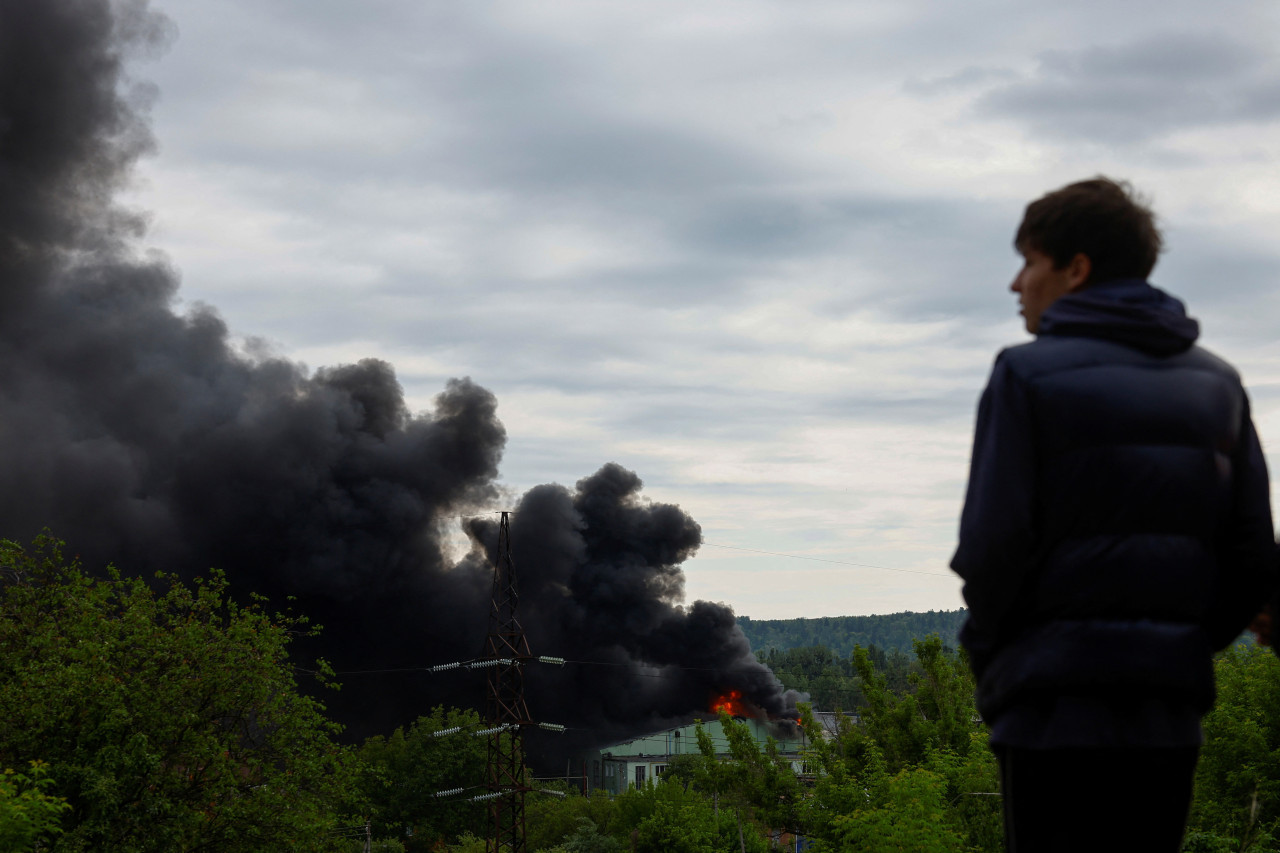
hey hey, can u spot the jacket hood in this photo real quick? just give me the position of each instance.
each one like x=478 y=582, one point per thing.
x=1127 y=311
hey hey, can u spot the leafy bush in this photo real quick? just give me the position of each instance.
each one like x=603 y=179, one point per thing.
x=170 y=720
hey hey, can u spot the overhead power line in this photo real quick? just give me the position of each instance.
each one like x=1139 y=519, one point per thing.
x=560 y=661
x=666 y=670
x=445 y=667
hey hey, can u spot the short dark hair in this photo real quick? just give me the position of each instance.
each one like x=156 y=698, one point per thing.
x=1102 y=219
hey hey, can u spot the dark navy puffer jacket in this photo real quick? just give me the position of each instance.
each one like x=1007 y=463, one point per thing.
x=1117 y=526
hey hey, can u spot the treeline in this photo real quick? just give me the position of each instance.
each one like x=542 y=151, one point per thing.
x=890 y=632
x=832 y=680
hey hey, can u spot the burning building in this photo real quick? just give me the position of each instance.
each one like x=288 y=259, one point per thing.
x=635 y=761
x=146 y=437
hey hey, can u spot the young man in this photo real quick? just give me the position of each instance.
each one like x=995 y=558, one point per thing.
x=1116 y=533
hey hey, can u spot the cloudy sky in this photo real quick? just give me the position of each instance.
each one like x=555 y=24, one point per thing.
x=757 y=251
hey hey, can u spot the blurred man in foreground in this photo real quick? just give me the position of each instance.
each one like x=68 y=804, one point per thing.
x=1116 y=533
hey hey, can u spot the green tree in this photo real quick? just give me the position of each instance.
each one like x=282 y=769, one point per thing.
x=678 y=827
x=668 y=818
x=817 y=670
x=905 y=813
x=944 y=690
x=758 y=781
x=170 y=720
x=914 y=770
x=972 y=792
x=1237 y=789
x=553 y=818
x=938 y=713
x=407 y=769
x=28 y=811
x=587 y=839
x=687 y=769
x=836 y=763
x=469 y=843
x=382 y=845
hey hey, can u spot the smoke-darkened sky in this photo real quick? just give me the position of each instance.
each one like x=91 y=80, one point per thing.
x=756 y=251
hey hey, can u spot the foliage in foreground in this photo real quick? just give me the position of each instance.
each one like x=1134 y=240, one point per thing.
x=28 y=812
x=169 y=720
x=406 y=770
x=914 y=773
x=1237 y=795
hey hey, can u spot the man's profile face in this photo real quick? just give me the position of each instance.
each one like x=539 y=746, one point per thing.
x=1039 y=285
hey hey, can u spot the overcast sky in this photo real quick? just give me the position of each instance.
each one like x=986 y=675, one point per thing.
x=757 y=251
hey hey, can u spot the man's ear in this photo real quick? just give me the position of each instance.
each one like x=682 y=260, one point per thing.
x=1078 y=271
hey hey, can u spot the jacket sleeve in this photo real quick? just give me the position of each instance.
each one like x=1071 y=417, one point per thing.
x=1246 y=550
x=996 y=552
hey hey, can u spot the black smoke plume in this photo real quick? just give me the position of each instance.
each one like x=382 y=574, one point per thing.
x=147 y=438
x=601 y=583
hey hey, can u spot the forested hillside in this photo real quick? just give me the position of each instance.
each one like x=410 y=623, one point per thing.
x=889 y=632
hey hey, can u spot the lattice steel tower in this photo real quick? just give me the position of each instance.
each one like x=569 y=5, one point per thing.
x=505 y=708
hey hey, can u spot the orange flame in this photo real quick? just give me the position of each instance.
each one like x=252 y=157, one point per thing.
x=731 y=703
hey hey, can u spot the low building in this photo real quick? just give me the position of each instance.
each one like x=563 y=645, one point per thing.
x=629 y=763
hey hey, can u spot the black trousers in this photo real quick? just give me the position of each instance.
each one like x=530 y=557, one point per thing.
x=1095 y=799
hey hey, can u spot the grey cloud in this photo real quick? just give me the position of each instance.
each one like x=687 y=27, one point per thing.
x=934 y=258
x=1227 y=281
x=905 y=407
x=1268 y=392
x=547 y=132
x=1136 y=92
x=711 y=250
x=472 y=104
x=1175 y=57
x=966 y=78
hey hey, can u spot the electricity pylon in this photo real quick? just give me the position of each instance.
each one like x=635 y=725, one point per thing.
x=505 y=709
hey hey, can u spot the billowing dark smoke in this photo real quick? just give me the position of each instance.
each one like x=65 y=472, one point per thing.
x=600 y=583
x=147 y=438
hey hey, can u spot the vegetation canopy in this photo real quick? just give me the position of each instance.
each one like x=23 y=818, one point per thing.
x=166 y=716
x=169 y=720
